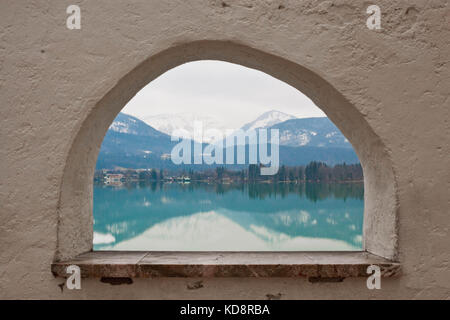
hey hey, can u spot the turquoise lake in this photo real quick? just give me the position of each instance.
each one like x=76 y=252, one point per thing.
x=227 y=217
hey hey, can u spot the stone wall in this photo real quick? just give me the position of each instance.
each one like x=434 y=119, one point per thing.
x=387 y=90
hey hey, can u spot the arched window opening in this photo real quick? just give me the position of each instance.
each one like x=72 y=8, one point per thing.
x=165 y=179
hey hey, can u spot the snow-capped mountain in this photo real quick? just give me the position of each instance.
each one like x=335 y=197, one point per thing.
x=268 y=119
x=125 y=123
x=172 y=123
x=130 y=140
x=294 y=132
x=131 y=143
x=312 y=132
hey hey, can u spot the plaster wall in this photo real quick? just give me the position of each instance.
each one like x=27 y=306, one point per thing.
x=387 y=90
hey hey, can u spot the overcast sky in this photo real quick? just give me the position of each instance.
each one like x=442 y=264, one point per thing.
x=232 y=93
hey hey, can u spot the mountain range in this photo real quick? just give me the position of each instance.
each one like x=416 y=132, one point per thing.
x=169 y=123
x=267 y=120
x=133 y=143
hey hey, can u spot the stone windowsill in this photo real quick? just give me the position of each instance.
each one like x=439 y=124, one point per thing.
x=316 y=266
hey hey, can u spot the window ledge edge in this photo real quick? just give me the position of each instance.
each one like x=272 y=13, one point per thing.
x=316 y=266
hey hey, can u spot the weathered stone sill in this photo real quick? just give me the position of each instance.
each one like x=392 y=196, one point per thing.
x=313 y=265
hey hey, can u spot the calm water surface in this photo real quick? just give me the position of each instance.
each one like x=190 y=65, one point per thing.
x=208 y=217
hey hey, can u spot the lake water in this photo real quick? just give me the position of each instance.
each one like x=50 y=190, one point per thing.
x=220 y=217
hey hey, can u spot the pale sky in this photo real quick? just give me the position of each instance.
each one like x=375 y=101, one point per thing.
x=232 y=93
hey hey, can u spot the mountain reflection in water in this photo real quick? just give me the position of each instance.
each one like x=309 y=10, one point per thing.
x=219 y=217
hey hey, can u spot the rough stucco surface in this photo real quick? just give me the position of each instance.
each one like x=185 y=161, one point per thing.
x=387 y=90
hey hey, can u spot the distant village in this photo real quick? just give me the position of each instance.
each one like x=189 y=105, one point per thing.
x=313 y=172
